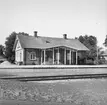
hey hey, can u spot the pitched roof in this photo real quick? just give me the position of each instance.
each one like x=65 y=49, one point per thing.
x=49 y=42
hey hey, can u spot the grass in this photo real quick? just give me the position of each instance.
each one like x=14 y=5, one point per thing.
x=15 y=102
x=62 y=92
x=67 y=92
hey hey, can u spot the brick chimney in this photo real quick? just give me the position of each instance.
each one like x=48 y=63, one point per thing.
x=65 y=36
x=35 y=33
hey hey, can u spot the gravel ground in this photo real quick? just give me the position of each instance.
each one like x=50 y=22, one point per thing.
x=69 y=92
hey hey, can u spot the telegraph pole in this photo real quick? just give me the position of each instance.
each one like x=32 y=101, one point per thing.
x=97 y=51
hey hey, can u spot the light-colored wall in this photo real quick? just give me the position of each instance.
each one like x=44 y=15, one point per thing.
x=18 y=46
x=19 y=53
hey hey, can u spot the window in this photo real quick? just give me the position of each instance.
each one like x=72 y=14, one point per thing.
x=20 y=56
x=32 y=56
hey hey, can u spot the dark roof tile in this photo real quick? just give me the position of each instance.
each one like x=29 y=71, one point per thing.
x=49 y=42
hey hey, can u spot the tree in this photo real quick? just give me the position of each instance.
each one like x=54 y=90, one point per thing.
x=105 y=43
x=100 y=57
x=10 y=54
x=22 y=33
x=91 y=43
x=1 y=49
x=9 y=43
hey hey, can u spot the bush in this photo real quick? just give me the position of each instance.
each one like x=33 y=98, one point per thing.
x=90 y=62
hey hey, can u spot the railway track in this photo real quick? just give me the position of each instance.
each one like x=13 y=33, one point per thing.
x=58 y=77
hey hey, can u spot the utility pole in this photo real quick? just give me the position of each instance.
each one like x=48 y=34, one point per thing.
x=97 y=51
x=97 y=54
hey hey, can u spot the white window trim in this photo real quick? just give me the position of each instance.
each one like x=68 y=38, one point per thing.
x=32 y=56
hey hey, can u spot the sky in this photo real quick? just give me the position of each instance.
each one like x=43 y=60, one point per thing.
x=54 y=18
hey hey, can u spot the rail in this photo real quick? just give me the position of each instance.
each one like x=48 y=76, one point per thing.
x=53 y=72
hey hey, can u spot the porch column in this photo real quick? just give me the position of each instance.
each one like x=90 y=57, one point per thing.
x=44 y=56
x=58 y=56
x=41 y=57
x=65 y=56
x=70 y=57
x=76 y=57
x=53 y=55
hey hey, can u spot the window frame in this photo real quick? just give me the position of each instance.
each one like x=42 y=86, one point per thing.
x=32 y=56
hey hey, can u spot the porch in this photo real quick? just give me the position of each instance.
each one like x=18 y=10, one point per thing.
x=59 y=56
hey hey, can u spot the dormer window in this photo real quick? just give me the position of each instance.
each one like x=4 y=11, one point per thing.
x=47 y=42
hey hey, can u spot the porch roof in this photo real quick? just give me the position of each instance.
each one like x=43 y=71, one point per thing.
x=50 y=42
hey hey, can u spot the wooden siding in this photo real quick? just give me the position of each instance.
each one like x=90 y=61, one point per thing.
x=18 y=46
x=19 y=53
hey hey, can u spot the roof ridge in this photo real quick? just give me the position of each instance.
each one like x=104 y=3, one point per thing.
x=49 y=37
x=55 y=37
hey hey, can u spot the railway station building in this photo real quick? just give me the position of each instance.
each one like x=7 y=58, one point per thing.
x=39 y=50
